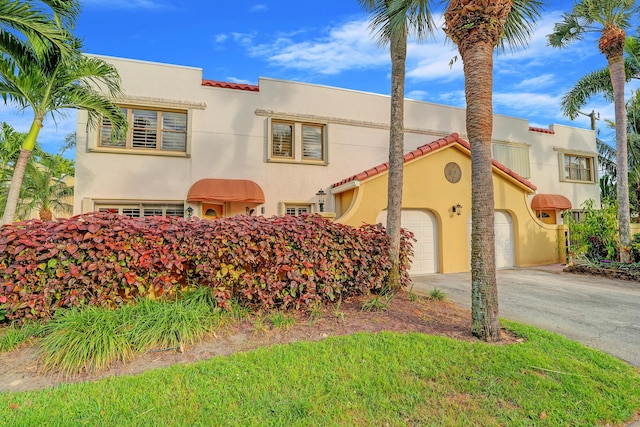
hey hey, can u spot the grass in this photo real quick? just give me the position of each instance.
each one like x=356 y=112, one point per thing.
x=93 y=338
x=380 y=302
x=14 y=335
x=360 y=380
x=437 y=295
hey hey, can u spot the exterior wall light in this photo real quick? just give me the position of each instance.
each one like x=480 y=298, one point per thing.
x=457 y=209
x=189 y=212
x=321 y=195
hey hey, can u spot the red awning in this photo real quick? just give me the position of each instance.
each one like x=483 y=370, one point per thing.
x=550 y=201
x=225 y=190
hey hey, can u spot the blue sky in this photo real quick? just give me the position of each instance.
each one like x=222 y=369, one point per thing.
x=328 y=43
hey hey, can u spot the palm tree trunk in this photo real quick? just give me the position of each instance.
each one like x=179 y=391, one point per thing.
x=18 y=172
x=398 y=52
x=478 y=66
x=617 y=73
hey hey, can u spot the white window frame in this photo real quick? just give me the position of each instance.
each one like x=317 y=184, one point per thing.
x=300 y=207
x=298 y=153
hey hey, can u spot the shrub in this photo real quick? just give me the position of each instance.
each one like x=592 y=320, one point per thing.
x=595 y=236
x=104 y=259
x=635 y=247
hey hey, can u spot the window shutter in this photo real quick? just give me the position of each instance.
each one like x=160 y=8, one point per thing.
x=174 y=131
x=106 y=135
x=515 y=158
x=312 y=142
x=145 y=129
x=282 y=140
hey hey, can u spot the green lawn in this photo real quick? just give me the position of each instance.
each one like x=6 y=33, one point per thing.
x=360 y=380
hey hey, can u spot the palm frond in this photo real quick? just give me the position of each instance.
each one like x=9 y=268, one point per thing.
x=567 y=31
x=388 y=17
x=596 y=82
x=38 y=26
x=520 y=24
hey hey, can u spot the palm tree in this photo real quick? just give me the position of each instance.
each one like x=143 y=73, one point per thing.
x=477 y=27
x=46 y=192
x=51 y=85
x=393 y=21
x=610 y=18
x=599 y=81
x=42 y=23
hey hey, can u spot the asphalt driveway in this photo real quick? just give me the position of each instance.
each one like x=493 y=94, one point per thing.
x=598 y=312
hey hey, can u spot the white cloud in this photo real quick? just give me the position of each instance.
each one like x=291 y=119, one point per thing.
x=538 y=82
x=129 y=4
x=349 y=46
x=245 y=39
x=454 y=98
x=237 y=80
x=417 y=94
x=433 y=61
x=220 y=38
x=259 y=8
x=527 y=104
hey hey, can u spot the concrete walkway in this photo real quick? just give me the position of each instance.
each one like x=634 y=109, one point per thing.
x=598 y=312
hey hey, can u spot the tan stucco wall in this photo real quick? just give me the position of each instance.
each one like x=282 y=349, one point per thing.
x=228 y=131
x=425 y=187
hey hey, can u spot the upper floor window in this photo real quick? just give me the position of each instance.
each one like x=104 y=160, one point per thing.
x=282 y=140
x=148 y=130
x=578 y=168
x=515 y=157
x=297 y=142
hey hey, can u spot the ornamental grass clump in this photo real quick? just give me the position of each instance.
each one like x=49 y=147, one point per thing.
x=168 y=325
x=90 y=339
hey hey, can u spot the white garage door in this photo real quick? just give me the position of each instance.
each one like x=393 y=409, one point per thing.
x=424 y=227
x=504 y=240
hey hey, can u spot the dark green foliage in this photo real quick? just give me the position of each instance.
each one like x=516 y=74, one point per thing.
x=595 y=236
x=108 y=260
x=635 y=247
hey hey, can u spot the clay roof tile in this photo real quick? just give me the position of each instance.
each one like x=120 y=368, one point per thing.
x=228 y=85
x=454 y=138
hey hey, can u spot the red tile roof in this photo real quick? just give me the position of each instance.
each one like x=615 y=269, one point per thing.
x=454 y=138
x=227 y=85
x=541 y=130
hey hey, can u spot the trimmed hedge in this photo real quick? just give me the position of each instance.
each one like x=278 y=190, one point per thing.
x=107 y=260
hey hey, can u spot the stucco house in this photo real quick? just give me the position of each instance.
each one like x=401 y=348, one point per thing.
x=209 y=149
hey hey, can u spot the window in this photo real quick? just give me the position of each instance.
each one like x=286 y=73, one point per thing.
x=576 y=215
x=297 y=142
x=578 y=168
x=143 y=210
x=296 y=210
x=282 y=140
x=312 y=143
x=148 y=130
x=515 y=157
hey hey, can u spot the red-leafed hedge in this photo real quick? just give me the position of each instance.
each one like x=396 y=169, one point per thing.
x=107 y=260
